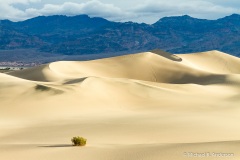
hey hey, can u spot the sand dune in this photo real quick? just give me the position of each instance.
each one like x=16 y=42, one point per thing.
x=151 y=105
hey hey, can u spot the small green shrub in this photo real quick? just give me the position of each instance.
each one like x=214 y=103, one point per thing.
x=79 y=141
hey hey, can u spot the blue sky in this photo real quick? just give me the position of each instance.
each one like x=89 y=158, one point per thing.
x=148 y=11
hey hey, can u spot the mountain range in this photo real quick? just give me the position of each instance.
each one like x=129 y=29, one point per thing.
x=83 y=35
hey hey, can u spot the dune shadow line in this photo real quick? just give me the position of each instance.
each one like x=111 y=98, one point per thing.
x=56 y=146
x=167 y=55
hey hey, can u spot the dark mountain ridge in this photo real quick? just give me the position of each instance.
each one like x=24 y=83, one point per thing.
x=81 y=35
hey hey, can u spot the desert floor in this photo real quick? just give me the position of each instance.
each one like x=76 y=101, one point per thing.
x=144 y=106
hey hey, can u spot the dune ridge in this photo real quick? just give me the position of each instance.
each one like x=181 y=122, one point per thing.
x=152 y=104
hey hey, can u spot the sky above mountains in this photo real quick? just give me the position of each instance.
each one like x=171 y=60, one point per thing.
x=147 y=11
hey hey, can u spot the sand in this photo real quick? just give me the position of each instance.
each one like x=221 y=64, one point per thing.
x=151 y=106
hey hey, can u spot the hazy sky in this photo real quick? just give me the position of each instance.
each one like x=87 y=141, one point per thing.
x=148 y=11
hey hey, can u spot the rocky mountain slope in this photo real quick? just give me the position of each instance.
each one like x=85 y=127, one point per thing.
x=81 y=35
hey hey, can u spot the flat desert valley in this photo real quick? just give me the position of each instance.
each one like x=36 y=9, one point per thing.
x=144 y=106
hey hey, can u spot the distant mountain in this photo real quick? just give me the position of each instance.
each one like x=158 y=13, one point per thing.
x=81 y=35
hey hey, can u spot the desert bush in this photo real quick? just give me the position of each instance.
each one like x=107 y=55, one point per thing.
x=79 y=141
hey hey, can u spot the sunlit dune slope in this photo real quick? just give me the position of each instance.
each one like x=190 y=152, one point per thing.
x=155 y=66
x=152 y=105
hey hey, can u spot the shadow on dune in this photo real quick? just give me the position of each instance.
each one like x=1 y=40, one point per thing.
x=33 y=74
x=201 y=80
x=42 y=88
x=78 y=80
x=167 y=55
x=56 y=146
